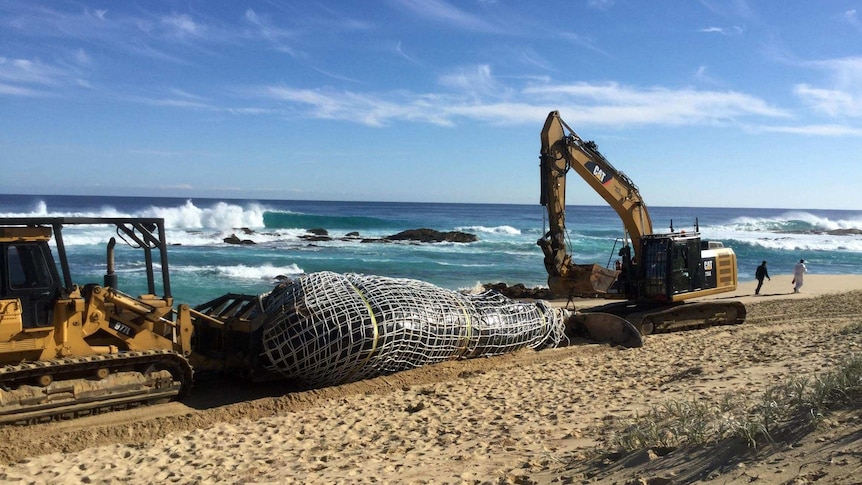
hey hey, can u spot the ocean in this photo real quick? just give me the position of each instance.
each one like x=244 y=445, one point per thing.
x=203 y=266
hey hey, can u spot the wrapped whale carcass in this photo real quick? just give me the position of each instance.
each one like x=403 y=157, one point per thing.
x=328 y=328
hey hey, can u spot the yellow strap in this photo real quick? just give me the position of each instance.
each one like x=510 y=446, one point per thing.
x=469 y=329
x=376 y=331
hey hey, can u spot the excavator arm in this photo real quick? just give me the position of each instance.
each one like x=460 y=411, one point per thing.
x=562 y=150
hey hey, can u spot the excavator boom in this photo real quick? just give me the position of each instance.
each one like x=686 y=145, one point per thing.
x=563 y=149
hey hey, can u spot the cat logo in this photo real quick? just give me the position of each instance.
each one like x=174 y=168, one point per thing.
x=598 y=172
x=707 y=265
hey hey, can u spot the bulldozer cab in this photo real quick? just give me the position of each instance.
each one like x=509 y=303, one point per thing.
x=30 y=274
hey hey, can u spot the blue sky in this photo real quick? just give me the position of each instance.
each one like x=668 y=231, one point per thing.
x=701 y=103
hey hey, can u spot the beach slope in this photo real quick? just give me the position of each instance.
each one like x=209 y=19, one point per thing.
x=529 y=417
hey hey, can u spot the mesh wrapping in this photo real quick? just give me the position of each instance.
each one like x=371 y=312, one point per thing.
x=328 y=328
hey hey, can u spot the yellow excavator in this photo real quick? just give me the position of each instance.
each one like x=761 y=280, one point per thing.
x=657 y=273
x=68 y=350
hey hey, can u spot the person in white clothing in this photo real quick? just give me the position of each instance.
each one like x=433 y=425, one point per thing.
x=798 y=271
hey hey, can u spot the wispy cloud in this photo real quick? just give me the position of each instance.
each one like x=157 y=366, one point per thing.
x=734 y=30
x=439 y=11
x=600 y=4
x=701 y=75
x=32 y=77
x=732 y=9
x=182 y=26
x=365 y=109
x=832 y=102
x=842 y=96
x=612 y=103
x=596 y=104
x=278 y=37
x=336 y=76
x=181 y=99
x=19 y=91
x=145 y=34
x=529 y=57
x=814 y=130
x=475 y=81
x=399 y=49
x=851 y=18
x=582 y=41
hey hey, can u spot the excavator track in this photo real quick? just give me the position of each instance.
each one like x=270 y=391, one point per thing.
x=689 y=316
x=676 y=318
x=78 y=386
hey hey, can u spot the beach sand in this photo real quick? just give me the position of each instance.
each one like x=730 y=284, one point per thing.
x=529 y=417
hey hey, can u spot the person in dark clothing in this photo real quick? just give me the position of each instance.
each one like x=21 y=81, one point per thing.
x=759 y=275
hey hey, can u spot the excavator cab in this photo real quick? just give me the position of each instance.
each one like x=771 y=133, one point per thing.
x=671 y=265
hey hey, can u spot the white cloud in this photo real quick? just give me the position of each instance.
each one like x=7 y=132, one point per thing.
x=582 y=41
x=614 y=104
x=278 y=37
x=474 y=80
x=362 y=108
x=701 y=75
x=10 y=90
x=831 y=102
x=25 y=77
x=399 y=49
x=843 y=94
x=81 y=57
x=851 y=18
x=182 y=25
x=815 y=130
x=448 y=14
x=596 y=104
x=600 y=4
x=734 y=30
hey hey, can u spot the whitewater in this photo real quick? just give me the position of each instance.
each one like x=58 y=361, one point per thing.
x=203 y=266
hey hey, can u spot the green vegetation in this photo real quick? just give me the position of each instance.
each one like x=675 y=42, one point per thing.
x=674 y=424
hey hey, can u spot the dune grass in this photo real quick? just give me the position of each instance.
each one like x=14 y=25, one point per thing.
x=695 y=422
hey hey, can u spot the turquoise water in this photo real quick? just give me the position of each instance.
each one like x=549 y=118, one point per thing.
x=203 y=266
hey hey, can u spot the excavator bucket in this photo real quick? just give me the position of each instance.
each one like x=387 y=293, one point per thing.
x=606 y=328
x=583 y=280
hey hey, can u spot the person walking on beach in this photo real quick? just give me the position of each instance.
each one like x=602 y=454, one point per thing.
x=798 y=271
x=759 y=275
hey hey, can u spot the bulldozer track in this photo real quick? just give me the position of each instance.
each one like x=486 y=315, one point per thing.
x=46 y=406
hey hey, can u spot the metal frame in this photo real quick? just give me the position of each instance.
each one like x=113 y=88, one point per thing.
x=147 y=232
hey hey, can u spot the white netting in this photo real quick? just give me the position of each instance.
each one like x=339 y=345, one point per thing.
x=328 y=328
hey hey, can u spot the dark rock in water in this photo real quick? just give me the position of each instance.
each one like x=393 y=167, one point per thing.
x=430 y=235
x=352 y=234
x=313 y=238
x=519 y=291
x=233 y=239
x=844 y=232
x=246 y=231
x=831 y=232
x=316 y=235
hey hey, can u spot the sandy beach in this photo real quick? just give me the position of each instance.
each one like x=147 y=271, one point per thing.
x=530 y=417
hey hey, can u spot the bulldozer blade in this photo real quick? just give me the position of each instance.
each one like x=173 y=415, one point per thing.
x=608 y=328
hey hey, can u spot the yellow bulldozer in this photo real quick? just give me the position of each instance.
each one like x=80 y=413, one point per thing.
x=68 y=350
